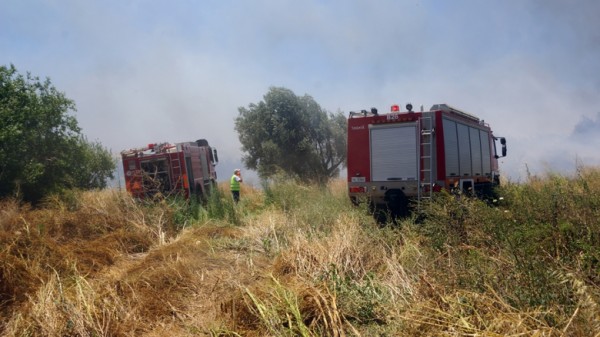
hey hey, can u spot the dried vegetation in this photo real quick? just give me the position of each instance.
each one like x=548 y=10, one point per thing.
x=292 y=260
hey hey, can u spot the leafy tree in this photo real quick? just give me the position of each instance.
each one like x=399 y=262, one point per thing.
x=93 y=165
x=42 y=150
x=292 y=134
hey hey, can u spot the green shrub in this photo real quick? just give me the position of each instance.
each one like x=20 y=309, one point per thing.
x=544 y=227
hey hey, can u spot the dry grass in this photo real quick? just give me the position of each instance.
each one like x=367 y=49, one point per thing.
x=288 y=261
x=106 y=268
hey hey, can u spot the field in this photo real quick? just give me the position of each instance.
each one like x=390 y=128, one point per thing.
x=293 y=260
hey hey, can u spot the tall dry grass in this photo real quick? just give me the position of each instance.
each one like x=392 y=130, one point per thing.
x=535 y=256
x=98 y=264
x=294 y=260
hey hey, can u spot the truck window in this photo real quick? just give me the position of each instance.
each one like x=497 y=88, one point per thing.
x=485 y=152
x=475 y=151
x=451 y=147
x=464 y=149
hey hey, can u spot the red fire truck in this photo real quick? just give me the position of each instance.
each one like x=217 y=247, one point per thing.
x=170 y=169
x=399 y=157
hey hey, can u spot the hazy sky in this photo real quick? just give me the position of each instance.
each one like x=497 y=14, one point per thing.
x=152 y=71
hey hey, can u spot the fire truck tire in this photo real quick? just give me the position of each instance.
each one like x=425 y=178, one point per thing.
x=380 y=213
x=208 y=188
x=203 y=193
x=202 y=142
x=397 y=203
x=199 y=193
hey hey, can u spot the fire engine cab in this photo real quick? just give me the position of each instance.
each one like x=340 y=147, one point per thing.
x=399 y=157
x=170 y=169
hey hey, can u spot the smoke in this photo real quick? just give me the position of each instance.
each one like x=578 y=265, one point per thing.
x=153 y=71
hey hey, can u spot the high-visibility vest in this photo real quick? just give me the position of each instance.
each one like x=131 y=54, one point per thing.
x=235 y=185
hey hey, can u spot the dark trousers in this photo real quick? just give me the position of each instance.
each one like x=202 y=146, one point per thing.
x=236 y=196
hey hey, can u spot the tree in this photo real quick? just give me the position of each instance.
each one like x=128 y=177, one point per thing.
x=93 y=164
x=292 y=134
x=42 y=150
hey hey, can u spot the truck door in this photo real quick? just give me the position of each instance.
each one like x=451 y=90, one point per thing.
x=394 y=152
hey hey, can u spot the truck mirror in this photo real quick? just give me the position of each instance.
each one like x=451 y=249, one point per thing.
x=503 y=142
x=215 y=155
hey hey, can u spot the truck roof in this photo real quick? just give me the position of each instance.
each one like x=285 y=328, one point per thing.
x=447 y=108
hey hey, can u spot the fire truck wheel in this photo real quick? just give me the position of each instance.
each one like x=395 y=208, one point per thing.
x=210 y=187
x=199 y=193
x=380 y=213
x=204 y=193
x=397 y=203
x=202 y=142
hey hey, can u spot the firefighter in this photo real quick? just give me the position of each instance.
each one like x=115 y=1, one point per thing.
x=235 y=181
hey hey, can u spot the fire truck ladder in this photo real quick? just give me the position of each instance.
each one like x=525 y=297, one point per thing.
x=175 y=169
x=425 y=190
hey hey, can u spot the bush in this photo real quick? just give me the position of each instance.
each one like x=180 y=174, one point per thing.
x=544 y=230
x=43 y=151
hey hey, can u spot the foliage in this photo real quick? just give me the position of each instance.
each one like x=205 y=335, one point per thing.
x=298 y=260
x=43 y=151
x=292 y=134
x=220 y=206
x=561 y=215
x=539 y=248
x=91 y=165
x=361 y=300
